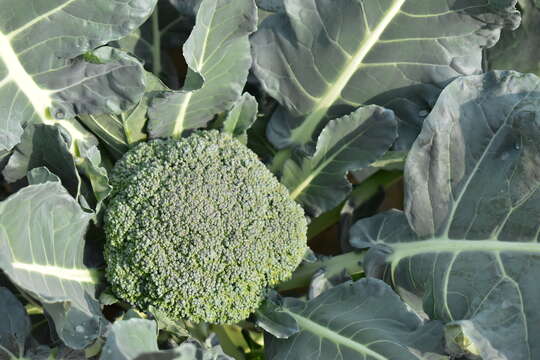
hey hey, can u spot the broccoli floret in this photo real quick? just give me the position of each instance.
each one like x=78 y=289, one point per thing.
x=199 y=228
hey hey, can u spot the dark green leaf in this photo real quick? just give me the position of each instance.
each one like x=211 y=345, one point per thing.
x=351 y=142
x=14 y=326
x=361 y=320
x=466 y=249
x=520 y=49
x=158 y=38
x=321 y=59
x=44 y=146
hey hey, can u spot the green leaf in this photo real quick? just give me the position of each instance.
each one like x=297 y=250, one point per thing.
x=41 y=242
x=155 y=40
x=349 y=143
x=44 y=145
x=191 y=349
x=241 y=116
x=48 y=146
x=186 y=7
x=275 y=322
x=321 y=59
x=466 y=248
x=271 y=5
x=43 y=76
x=520 y=49
x=360 y=320
x=120 y=131
x=14 y=327
x=175 y=326
x=137 y=339
x=108 y=298
x=127 y=339
x=41 y=175
x=218 y=55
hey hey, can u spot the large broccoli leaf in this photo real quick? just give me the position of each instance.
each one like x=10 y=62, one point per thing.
x=218 y=55
x=41 y=251
x=466 y=249
x=46 y=72
x=362 y=320
x=322 y=58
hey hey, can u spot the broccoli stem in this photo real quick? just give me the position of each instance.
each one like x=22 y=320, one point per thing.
x=350 y=262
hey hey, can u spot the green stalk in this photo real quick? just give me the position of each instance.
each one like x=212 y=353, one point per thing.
x=360 y=194
x=279 y=160
x=350 y=262
x=8 y=353
x=156 y=39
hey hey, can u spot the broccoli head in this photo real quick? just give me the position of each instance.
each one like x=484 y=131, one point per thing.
x=198 y=227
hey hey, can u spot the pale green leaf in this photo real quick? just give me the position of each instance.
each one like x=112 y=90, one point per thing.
x=41 y=175
x=137 y=339
x=218 y=55
x=349 y=143
x=41 y=250
x=240 y=118
x=127 y=339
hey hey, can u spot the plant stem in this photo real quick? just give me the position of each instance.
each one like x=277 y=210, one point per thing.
x=360 y=194
x=279 y=160
x=9 y=353
x=156 y=39
x=350 y=262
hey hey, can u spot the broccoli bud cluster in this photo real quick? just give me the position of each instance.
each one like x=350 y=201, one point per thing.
x=199 y=228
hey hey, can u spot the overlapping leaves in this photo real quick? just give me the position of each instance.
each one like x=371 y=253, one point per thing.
x=466 y=249
x=320 y=59
x=44 y=77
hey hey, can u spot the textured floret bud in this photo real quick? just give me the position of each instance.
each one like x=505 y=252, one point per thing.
x=199 y=228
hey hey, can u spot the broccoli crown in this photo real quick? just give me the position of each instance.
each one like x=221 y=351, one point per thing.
x=199 y=228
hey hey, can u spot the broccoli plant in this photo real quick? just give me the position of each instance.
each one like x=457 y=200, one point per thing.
x=212 y=179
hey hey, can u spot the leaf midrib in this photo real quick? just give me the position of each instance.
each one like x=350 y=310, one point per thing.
x=446 y=245
x=304 y=132
x=334 y=337
x=73 y=274
x=38 y=97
